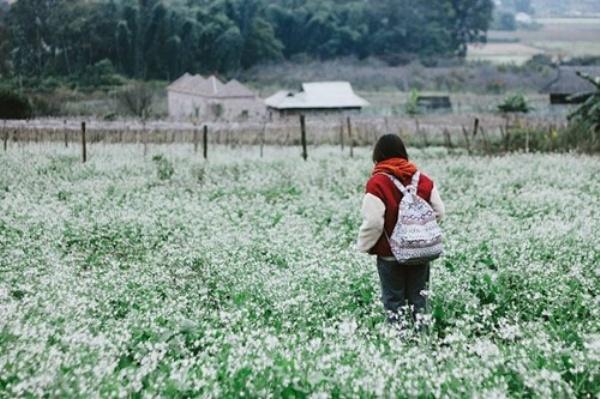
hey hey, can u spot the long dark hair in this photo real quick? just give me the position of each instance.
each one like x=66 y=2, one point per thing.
x=389 y=146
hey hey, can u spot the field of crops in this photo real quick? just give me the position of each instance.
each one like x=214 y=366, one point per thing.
x=564 y=37
x=170 y=276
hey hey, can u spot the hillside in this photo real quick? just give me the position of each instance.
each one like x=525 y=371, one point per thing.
x=581 y=8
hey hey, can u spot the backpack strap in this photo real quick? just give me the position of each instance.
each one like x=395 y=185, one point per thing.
x=414 y=184
x=397 y=183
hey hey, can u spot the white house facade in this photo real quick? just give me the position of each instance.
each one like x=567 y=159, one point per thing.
x=193 y=96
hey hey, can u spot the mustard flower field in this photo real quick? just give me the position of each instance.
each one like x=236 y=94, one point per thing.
x=171 y=276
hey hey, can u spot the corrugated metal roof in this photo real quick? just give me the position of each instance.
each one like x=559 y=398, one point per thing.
x=567 y=81
x=209 y=87
x=327 y=95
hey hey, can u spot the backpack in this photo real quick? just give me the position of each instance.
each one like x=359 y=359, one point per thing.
x=417 y=237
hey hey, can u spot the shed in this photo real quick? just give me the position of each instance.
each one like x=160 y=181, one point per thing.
x=567 y=83
x=317 y=97
x=434 y=102
x=209 y=98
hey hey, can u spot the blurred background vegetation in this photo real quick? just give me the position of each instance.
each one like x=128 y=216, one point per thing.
x=87 y=41
x=91 y=57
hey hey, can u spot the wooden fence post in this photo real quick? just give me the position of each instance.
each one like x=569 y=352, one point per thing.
x=5 y=132
x=352 y=143
x=475 y=130
x=195 y=139
x=83 y=143
x=144 y=138
x=342 y=135
x=66 y=134
x=486 y=146
x=205 y=142
x=303 y=137
x=262 y=137
x=448 y=138
x=467 y=140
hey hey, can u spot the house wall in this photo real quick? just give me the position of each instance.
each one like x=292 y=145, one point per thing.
x=287 y=114
x=182 y=106
x=235 y=108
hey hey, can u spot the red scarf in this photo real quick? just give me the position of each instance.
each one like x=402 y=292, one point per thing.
x=398 y=167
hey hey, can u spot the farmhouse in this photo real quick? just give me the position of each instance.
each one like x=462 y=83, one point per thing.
x=567 y=83
x=209 y=98
x=316 y=98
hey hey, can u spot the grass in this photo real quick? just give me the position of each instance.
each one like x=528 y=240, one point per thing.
x=502 y=53
x=238 y=276
x=566 y=37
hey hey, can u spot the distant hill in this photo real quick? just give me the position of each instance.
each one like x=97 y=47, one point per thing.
x=581 y=8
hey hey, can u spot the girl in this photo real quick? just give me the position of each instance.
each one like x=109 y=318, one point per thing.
x=400 y=284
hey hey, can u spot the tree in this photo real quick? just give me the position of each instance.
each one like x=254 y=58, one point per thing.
x=523 y=6
x=255 y=36
x=584 y=122
x=590 y=110
x=30 y=34
x=189 y=49
x=155 y=44
x=505 y=21
x=289 y=27
x=260 y=44
x=156 y=39
x=14 y=106
x=468 y=21
x=124 y=48
x=4 y=41
x=173 y=51
x=228 y=50
x=137 y=99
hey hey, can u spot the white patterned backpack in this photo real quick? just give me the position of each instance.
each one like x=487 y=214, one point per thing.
x=417 y=237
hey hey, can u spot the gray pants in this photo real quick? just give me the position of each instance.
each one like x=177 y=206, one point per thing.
x=402 y=285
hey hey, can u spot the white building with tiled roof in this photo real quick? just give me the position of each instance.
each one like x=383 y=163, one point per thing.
x=193 y=96
x=317 y=97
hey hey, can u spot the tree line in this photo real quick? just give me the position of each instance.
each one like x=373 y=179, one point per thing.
x=154 y=39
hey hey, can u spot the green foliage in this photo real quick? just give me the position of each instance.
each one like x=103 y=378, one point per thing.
x=4 y=42
x=44 y=105
x=584 y=129
x=589 y=111
x=505 y=21
x=14 y=106
x=575 y=137
x=523 y=6
x=153 y=39
x=412 y=103
x=164 y=168
x=516 y=103
x=136 y=99
x=101 y=74
x=247 y=286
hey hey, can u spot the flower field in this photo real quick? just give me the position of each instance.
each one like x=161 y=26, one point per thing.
x=169 y=276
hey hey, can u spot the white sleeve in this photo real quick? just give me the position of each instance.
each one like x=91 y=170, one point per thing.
x=373 y=215
x=437 y=204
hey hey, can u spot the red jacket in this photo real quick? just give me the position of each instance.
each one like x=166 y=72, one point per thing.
x=382 y=187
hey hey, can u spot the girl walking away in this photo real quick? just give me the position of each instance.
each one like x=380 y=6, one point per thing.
x=395 y=177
